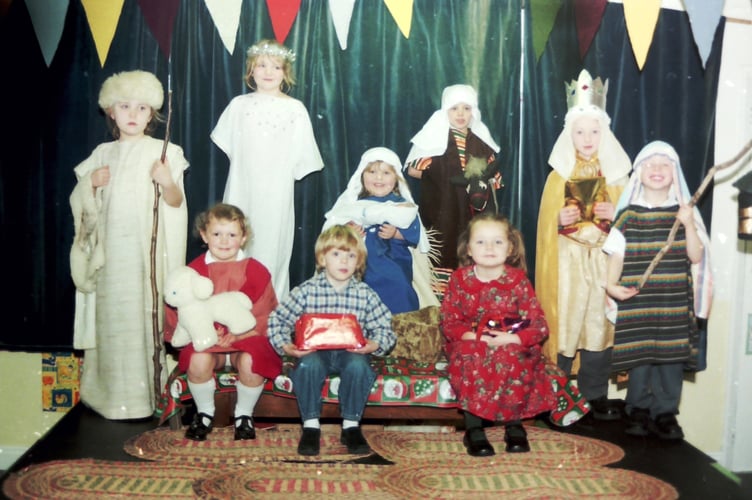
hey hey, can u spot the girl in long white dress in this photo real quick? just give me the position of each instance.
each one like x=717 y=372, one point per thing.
x=269 y=140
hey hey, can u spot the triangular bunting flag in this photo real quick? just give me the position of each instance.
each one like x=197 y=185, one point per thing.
x=226 y=17
x=103 y=19
x=704 y=16
x=543 y=15
x=641 y=17
x=341 y=11
x=402 y=12
x=48 y=19
x=160 y=18
x=588 y=15
x=283 y=14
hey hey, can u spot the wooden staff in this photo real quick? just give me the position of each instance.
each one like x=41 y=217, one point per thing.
x=156 y=334
x=692 y=202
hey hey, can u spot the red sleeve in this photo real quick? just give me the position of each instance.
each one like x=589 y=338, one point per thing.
x=454 y=322
x=530 y=308
x=263 y=307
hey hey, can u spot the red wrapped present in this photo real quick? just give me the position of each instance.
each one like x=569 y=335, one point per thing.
x=328 y=331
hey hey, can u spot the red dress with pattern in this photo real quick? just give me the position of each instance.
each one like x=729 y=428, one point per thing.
x=496 y=383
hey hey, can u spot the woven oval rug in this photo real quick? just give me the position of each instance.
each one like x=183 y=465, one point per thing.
x=277 y=444
x=284 y=480
x=548 y=448
x=77 y=479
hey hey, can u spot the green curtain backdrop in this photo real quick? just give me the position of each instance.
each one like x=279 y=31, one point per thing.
x=378 y=92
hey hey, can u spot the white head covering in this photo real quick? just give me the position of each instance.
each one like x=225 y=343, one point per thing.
x=432 y=138
x=134 y=85
x=614 y=161
x=702 y=279
x=344 y=209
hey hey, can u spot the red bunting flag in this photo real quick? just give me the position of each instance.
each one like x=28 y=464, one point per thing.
x=283 y=14
x=588 y=15
x=160 y=18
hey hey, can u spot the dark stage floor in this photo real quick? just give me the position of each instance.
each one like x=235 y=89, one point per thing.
x=84 y=434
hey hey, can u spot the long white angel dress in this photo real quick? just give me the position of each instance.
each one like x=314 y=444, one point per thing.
x=110 y=265
x=270 y=143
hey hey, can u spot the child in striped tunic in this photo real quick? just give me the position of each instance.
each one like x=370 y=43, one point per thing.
x=656 y=329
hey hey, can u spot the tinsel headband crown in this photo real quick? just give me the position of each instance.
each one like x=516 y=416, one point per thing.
x=586 y=92
x=268 y=49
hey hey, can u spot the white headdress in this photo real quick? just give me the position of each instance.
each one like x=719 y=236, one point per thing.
x=137 y=85
x=679 y=191
x=432 y=138
x=349 y=208
x=587 y=97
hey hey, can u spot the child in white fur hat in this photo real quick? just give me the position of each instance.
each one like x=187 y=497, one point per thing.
x=112 y=207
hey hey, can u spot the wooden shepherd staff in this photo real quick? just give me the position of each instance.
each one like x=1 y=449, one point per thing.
x=156 y=334
x=692 y=202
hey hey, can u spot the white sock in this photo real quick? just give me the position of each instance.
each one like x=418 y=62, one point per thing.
x=312 y=423
x=203 y=396
x=247 y=399
x=347 y=424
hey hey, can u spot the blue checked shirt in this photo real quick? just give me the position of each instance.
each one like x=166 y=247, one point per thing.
x=317 y=295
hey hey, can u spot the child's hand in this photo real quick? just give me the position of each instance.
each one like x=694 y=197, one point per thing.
x=100 y=177
x=293 y=351
x=224 y=339
x=357 y=227
x=686 y=216
x=388 y=231
x=370 y=347
x=569 y=215
x=604 y=210
x=160 y=173
x=621 y=292
x=496 y=338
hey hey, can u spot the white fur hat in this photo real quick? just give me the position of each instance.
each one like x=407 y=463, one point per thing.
x=135 y=85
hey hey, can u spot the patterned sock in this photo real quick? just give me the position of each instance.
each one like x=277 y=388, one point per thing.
x=203 y=396
x=247 y=399
x=312 y=423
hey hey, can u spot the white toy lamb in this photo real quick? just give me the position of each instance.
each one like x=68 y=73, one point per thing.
x=198 y=310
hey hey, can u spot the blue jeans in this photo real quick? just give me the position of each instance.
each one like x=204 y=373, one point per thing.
x=356 y=379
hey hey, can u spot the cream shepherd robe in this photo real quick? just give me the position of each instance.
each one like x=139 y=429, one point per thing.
x=110 y=266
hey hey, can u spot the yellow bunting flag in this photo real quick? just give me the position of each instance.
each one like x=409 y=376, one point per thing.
x=103 y=17
x=641 y=17
x=402 y=12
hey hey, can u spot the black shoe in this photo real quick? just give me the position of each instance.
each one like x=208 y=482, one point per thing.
x=310 y=442
x=638 y=421
x=516 y=438
x=244 y=430
x=605 y=409
x=477 y=444
x=198 y=430
x=666 y=427
x=354 y=440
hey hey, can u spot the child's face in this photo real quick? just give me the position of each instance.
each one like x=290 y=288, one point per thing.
x=339 y=265
x=268 y=74
x=657 y=174
x=488 y=244
x=459 y=116
x=224 y=238
x=131 y=118
x=379 y=178
x=586 y=135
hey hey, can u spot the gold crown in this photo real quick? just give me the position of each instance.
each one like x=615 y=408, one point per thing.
x=585 y=91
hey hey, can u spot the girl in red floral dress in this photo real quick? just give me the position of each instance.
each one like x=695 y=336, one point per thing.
x=494 y=327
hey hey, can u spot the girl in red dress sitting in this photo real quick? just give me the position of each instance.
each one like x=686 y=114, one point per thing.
x=494 y=327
